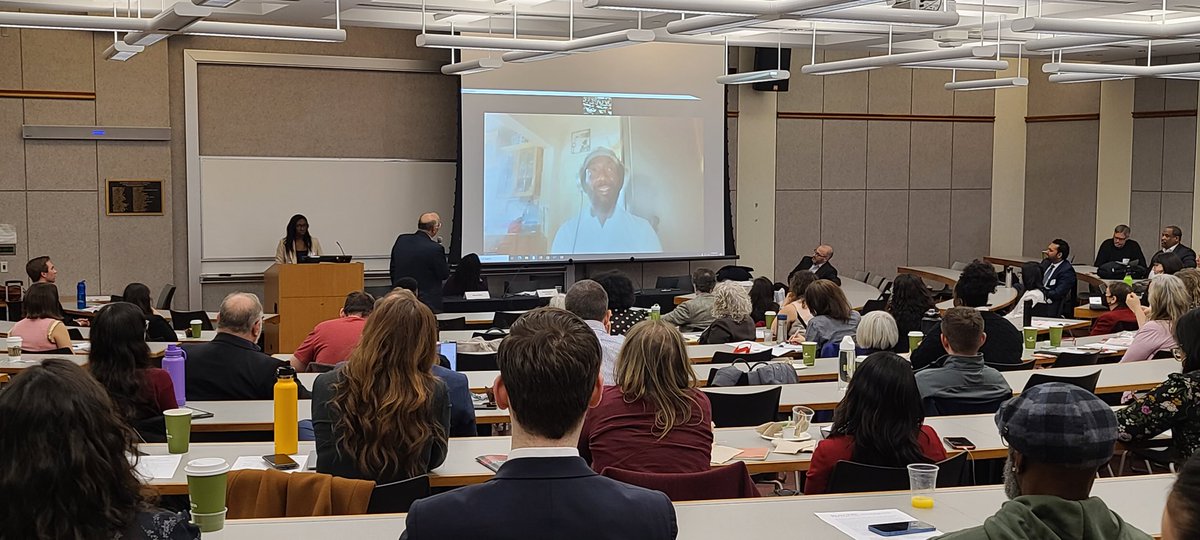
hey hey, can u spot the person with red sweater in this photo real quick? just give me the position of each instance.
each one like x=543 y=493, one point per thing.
x=654 y=419
x=879 y=422
x=120 y=360
x=1119 y=317
x=330 y=342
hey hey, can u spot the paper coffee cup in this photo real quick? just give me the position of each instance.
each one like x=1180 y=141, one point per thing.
x=1056 y=334
x=197 y=326
x=810 y=352
x=206 y=479
x=1030 y=337
x=769 y=317
x=210 y=522
x=13 y=344
x=179 y=430
x=914 y=340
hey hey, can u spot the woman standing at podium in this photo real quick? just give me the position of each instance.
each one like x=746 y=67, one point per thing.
x=297 y=245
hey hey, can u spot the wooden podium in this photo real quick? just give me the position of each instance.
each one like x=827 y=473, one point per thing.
x=304 y=295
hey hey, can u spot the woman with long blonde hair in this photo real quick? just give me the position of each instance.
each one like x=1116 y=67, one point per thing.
x=1168 y=302
x=384 y=415
x=654 y=419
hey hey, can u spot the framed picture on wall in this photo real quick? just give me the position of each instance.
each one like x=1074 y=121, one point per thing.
x=527 y=170
x=133 y=197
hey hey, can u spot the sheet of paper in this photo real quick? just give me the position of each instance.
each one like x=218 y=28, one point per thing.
x=257 y=463
x=854 y=524
x=722 y=454
x=754 y=347
x=152 y=467
x=793 y=448
x=784 y=349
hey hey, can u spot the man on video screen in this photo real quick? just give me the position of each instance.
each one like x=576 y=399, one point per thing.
x=604 y=225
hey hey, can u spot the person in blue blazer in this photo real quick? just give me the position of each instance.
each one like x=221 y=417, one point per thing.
x=1058 y=278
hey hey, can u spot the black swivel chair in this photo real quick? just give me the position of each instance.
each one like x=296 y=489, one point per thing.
x=724 y=357
x=1076 y=359
x=165 y=297
x=505 y=319
x=666 y=282
x=854 y=477
x=1023 y=366
x=742 y=410
x=397 y=497
x=1086 y=382
x=951 y=406
x=477 y=361
x=181 y=320
x=457 y=323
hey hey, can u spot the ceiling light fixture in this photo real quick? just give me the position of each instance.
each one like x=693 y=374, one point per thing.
x=766 y=75
x=215 y=3
x=987 y=84
x=519 y=57
x=873 y=62
x=1070 y=78
x=875 y=15
x=120 y=51
x=1106 y=28
x=966 y=64
x=587 y=44
x=267 y=31
x=56 y=21
x=473 y=66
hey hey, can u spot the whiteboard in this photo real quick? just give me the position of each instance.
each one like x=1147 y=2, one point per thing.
x=245 y=204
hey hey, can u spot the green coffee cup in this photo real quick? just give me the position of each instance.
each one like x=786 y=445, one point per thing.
x=914 y=340
x=810 y=353
x=770 y=324
x=197 y=326
x=179 y=430
x=206 y=479
x=1056 y=333
x=1030 y=337
x=210 y=522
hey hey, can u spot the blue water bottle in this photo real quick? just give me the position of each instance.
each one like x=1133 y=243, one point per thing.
x=81 y=295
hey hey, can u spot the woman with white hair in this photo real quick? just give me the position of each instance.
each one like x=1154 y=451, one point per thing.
x=731 y=308
x=877 y=332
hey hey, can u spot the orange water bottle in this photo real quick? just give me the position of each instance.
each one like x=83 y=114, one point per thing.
x=287 y=438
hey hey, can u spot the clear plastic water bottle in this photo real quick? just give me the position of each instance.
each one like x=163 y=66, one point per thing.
x=81 y=295
x=781 y=327
x=655 y=312
x=846 y=359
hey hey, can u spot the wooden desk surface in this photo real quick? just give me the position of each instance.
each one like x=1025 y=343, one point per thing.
x=1139 y=500
x=857 y=293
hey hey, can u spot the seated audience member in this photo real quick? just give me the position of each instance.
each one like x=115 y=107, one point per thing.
x=621 y=297
x=654 y=419
x=157 y=329
x=588 y=301
x=231 y=366
x=1004 y=341
x=731 y=307
x=818 y=264
x=70 y=473
x=120 y=360
x=467 y=277
x=1031 y=285
x=1171 y=241
x=762 y=300
x=383 y=415
x=1058 y=435
x=879 y=422
x=909 y=303
x=41 y=270
x=462 y=407
x=1118 y=317
x=1058 y=279
x=331 y=341
x=1174 y=404
x=833 y=317
x=1181 y=517
x=1120 y=248
x=545 y=490
x=41 y=329
x=406 y=283
x=696 y=314
x=1165 y=264
x=1168 y=302
x=793 y=307
x=876 y=332
x=1191 y=283
x=963 y=375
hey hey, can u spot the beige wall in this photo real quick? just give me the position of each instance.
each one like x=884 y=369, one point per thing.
x=1164 y=159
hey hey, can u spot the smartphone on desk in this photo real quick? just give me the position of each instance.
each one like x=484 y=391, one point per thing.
x=282 y=462
x=900 y=528
x=959 y=443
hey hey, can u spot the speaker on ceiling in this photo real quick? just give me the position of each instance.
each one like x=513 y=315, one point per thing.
x=768 y=58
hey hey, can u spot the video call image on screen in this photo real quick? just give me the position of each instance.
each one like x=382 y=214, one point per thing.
x=559 y=185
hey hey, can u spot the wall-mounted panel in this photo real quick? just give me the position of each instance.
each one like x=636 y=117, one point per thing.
x=57 y=60
x=1145 y=211
x=12 y=148
x=928 y=227
x=931 y=154
x=798 y=217
x=890 y=90
x=1052 y=186
x=844 y=155
x=843 y=226
x=806 y=93
x=134 y=92
x=846 y=92
x=972 y=158
x=1148 y=152
x=10 y=59
x=1179 y=154
x=887 y=230
x=63 y=225
x=798 y=154
x=970 y=223
x=888 y=148
x=60 y=165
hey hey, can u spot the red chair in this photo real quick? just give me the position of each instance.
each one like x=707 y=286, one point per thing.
x=722 y=482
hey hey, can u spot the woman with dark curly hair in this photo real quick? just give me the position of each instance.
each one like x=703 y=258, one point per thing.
x=908 y=304
x=69 y=475
x=621 y=296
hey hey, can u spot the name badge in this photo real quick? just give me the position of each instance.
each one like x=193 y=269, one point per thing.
x=546 y=293
x=477 y=295
x=1052 y=282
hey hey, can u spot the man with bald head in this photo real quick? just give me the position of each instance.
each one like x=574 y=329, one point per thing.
x=818 y=263
x=420 y=256
x=231 y=366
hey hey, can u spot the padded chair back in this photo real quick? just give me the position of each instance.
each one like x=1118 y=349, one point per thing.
x=876 y=281
x=505 y=319
x=958 y=265
x=666 y=282
x=152 y=429
x=457 y=323
x=878 y=304
x=944 y=406
x=1076 y=359
x=61 y=350
x=721 y=482
x=397 y=497
x=1086 y=382
x=477 y=361
x=854 y=477
x=1023 y=366
x=861 y=276
x=165 y=297
x=181 y=320
x=75 y=334
x=314 y=367
x=1125 y=326
x=723 y=357
x=491 y=333
x=742 y=409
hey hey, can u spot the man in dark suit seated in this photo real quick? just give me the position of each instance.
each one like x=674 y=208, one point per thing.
x=549 y=377
x=419 y=255
x=1058 y=280
x=1171 y=240
x=818 y=263
x=231 y=366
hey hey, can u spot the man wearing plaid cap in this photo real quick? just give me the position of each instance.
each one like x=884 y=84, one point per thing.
x=1058 y=436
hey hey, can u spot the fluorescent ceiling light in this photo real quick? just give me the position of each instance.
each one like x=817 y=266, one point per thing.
x=712 y=23
x=473 y=66
x=267 y=31
x=608 y=41
x=873 y=62
x=459 y=18
x=730 y=7
x=1105 y=28
x=1070 y=42
x=215 y=3
x=894 y=16
x=987 y=84
x=587 y=44
x=520 y=2
x=1069 y=78
x=519 y=57
x=143 y=39
x=120 y=51
x=966 y=64
x=767 y=75
x=57 y=21
x=178 y=17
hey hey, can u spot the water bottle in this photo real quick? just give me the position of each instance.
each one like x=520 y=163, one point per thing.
x=846 y=359
x=81 y=295
x=1008 y=277
x=655 y=312
x=173 y=364
x=287 y=436
x=781 y=327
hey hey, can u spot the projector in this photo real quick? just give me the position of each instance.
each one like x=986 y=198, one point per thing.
x=924 y=5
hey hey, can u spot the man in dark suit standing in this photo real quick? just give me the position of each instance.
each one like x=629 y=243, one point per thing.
x=420 y=256
x=1172 y=242
x=818 y=263
x=1058 y=278
x=545 y=490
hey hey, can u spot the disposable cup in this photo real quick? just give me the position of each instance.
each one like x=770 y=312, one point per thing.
x=179 y=429
x=810 y=352
x=13 y=343
x=1030 y=337
x=922 y=481
x=1056 y=335
x=802 y=418
x=197 y=326
x=211 y=522
x=914 y=340
x=206 y=484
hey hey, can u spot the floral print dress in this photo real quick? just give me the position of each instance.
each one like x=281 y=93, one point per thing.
x=1173 y=405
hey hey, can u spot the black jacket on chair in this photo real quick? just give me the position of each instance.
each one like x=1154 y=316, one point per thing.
x=231 y=368
x=826 y=271
x=538 y=498
x=417 y=256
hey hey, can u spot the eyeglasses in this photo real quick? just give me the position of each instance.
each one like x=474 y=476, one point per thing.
x=1177 y=352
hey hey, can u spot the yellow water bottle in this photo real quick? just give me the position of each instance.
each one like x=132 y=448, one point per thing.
x=287 y=438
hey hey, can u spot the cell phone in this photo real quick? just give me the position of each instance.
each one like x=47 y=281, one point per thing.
x=900 y=527
x=311 y=464
x=959 y=443
x=282 y=462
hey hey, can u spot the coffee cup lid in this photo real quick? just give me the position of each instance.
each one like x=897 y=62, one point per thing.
x=195 y=321
x=915 y=333
x=206 y=467
x=1030 y=328
x=770 y=313
x=808 y=343
x=14 y=339
x=177 y=412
